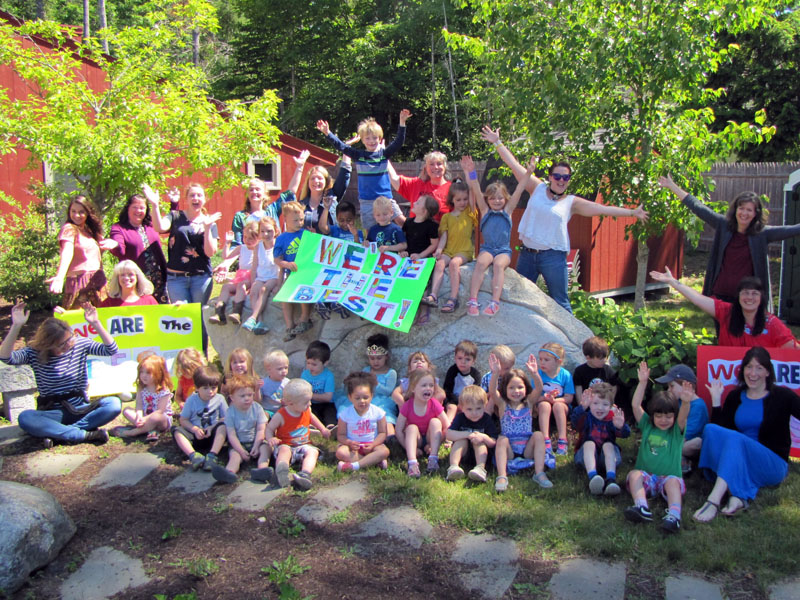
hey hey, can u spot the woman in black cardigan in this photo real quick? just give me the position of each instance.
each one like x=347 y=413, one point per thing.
x=747 y=443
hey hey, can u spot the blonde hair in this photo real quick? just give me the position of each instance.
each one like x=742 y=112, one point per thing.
x=305 y=189
x=293 y=207
x=555 y=348
x=251 y=229
x=382 y=203
x=434 y=156
x=267 y=220
x=201 y=188
x=472 y=394
x=504 y=354
x=369 y=126
x=254 y=181
x=297 y=389
x=498 y=188
x=273 y=355
x=240 y=353
x=187 y=361
x=143 y=285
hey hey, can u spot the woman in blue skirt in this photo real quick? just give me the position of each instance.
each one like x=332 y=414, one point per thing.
x=746 y=445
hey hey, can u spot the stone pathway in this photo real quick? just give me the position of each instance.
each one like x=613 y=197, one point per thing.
x=484 y=564
x=105 y=572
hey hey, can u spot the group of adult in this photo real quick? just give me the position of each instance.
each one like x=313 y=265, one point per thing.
x=745 y=448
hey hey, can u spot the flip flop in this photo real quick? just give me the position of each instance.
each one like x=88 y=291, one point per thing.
x=743 y=506
x=707 y=505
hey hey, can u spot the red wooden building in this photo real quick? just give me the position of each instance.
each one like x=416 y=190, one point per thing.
x=17 y=174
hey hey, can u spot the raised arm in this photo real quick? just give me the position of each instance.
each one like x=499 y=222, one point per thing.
x=638 y=394
x=585 y=208
x=300 y=162
x=160 y=224
x=538 y=385
x=515 y=197
x=210 y=239
x=324 y=227
x=393 y=176
x=686 y=396
x=704 y=212
x=90 y=314
x=477 y=199
x=19 y=316
x=702 y=302
x=493 y=137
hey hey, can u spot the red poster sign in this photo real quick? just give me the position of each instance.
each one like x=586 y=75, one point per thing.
x=722 y=362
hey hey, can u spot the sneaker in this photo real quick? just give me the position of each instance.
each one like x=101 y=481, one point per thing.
x=344 y=467
x=249 y=324
x=282 y=474
x=98 y=436
x=612 y=488
x=222 y=474
x=670 y=523
x=433 y=464
x=197 y=460
x=47 y=443
x=263 y=475
x=152 y=436
x=210 y=461
x=260 y=329
x=638 y=514
x=491 y=309
x=549 y=459
x=686 y=467
x=454 y=473
x=413 y=470
x=473 y=308
x=561 y=449
x=542 y=480
x=302 y=481
x=478 y=474
x=596 y=484
x=302 y=327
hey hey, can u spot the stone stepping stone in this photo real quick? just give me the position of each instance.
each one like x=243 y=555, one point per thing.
x=788 y=590
x=250 y=495
x=45 y=464
x=106 y=572
x=686 y=587
x=583 y=579
x=491 y=563
x=403 y=524
x=10 y=434
x=328 y=502
x=126 y=470
x=192 y=482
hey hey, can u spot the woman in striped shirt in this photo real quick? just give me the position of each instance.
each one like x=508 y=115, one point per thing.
x=58 y=359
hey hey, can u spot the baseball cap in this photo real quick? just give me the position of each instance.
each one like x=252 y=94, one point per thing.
x=678 y=372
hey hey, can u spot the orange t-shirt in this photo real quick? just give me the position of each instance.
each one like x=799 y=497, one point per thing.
x=294 y=431
x=85 y=253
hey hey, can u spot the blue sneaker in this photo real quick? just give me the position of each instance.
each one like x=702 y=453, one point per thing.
x=561 y=449
x=250 y=324
x=549 y=459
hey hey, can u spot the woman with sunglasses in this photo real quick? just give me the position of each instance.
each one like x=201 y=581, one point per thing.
x=543 y=227
x=59 y=361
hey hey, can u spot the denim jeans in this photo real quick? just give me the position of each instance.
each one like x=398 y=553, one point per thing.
x=194 y=288
x=552 y=265
x=62 y=425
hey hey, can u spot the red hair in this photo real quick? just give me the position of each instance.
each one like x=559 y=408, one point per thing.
x=157 y=367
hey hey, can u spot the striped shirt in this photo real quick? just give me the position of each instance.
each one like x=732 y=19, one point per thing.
x=65 y=373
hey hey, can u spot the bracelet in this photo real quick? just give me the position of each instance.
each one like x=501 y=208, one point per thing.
x=497 y=144
x=472 y=175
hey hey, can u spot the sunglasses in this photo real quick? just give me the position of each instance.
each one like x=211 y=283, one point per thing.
x=560 y=177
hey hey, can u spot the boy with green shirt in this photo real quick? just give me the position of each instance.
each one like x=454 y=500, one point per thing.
x=658 y=464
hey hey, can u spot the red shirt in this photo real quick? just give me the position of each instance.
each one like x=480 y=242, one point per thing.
x=411 y=188
x=146 y=300
x=775 y=333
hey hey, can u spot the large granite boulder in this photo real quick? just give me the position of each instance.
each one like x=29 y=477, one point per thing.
x=527 y=319
x=34 y=529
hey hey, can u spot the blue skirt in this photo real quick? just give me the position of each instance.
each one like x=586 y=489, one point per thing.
x=745 y=464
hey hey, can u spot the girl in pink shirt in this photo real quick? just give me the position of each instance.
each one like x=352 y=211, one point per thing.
x=421 y=421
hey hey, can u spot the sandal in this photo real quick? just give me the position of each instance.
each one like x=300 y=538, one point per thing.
x=492 y=309
x=302 y=327
x=450 y=306
x=743 y=506
x=501 y=484
x=260 y=329
x=289 y=335
x=152 y=436
x=430 y=300
x=473 y=308
x=700 y=515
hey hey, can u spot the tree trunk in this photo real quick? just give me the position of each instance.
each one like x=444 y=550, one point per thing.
x=196 y=47
x=642 y=256
x=40 y=9
x=101 y=16
x=86 y=32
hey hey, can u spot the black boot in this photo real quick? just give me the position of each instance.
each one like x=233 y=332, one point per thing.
x=236 y=313
x=98 y=436
x=219 y=317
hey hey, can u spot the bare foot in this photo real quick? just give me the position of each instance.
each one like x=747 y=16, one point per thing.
x=707 y=512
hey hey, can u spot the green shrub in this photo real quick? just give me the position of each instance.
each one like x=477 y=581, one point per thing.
x=633 y=336
x=28 y=256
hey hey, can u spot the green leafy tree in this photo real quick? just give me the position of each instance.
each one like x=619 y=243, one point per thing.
x=764 y=72
x=618 y=86
x=150 y=122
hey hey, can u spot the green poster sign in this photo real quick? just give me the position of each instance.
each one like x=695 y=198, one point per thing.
x=164 y=329
x=384 y=288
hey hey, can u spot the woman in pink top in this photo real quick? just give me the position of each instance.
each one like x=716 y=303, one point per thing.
x=421 y=422
x=80 y=271
x=129 y=287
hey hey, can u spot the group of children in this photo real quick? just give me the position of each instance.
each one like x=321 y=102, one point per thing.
x=266 y=255
x=502 y=418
